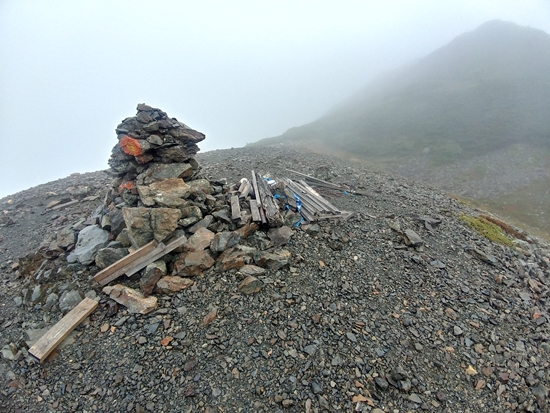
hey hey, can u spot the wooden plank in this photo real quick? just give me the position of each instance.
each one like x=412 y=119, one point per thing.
x=254 y=211
x=322 y=200
x=49 y=341
x=245 y=190
x=112 y=272
x=258 y=199
x=66 y=204
x=235 y=208
x=307 y=200
x=271 y=208
x=320 y=181
x=172 y=245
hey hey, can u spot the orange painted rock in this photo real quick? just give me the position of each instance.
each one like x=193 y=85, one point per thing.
x=134 y=147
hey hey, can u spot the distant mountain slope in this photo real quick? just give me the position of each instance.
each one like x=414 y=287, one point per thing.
x=483 y=91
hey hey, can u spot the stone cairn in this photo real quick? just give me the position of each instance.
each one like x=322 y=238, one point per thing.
x=158 y=194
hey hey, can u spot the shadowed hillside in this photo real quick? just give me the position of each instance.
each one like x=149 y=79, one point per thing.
x=483 y=91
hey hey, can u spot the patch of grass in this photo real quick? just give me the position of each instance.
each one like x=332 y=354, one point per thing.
x=488 y=229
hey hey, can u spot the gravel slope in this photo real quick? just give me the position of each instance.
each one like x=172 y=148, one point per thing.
x=358 y=321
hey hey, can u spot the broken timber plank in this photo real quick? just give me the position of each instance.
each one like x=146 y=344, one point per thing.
x=269 y=205
x=258 y=199
x=113 y=271
x=235 y=208
x=171 y=246
x=322 y=200
x=66 y=204
x=254 y=211
x=55 y=335
x=319 y=181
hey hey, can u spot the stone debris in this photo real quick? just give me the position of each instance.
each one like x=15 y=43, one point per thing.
x=319 y=315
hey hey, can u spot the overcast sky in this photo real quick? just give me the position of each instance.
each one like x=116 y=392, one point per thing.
x=237 y=71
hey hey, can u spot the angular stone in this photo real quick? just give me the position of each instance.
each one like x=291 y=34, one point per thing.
x=281 y=235
x=153 y=272
x=69 y=300
x=90 y=240
x=200 y=185
x=191 y=211
x=170 y=192
x=248 y=229
x=108 y=256
x=199 y=241
x=146 y=224
x=224 y=240
x=158 y=172
x=236 y=257
x=117 y=221
x=273 y=260
x=124 y=238
x=203 y=223
x=173 y=284
x=250 y=285
x=131 y=299
x=193 y=263
x=37 y=293
x=252 y=270
x=223 y=216
x=65 y=238
x=412 y=238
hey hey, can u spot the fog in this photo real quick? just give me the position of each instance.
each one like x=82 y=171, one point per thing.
x=237 y=71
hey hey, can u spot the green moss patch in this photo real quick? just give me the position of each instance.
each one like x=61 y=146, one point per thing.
x=489 y=230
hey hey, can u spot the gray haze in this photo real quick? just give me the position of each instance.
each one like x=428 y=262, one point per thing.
x=237 y=71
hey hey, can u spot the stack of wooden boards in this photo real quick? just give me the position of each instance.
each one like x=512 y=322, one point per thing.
x=265 y=209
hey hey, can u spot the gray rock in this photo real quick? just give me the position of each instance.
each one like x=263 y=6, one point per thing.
x=65 y=238
x=108 y=256
x=37 y=294
x=412 y=238
x=90 y=240
x=224 y=240
x=250 y=285
x=153 y=272
x=69 y=300
x=281 y=235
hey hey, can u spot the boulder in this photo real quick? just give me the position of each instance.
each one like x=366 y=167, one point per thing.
x=273 y=260
x=193 y=263
x=69 y=300
x=146 y=224
x=224 y=240
x=90 y=240
x=235 y=257
x=281 y=235
x=167 y=192
x=108 y=256
x=159 y=171
x=199 y=241
x=200 y=185
x=65 y=238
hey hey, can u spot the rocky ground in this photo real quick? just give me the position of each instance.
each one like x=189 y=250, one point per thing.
x=357 y=321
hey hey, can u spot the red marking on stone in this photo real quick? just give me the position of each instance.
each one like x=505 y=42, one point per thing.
x=130 y=146
x=126 y=185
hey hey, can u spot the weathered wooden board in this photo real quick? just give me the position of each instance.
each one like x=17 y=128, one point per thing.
x=115 y=270
x=66 y=204
x=271 y=208
x=171 y=246
x=235 y=208
x=49 y=341
x=254 y=211
x=318 y=197
x=258 y=198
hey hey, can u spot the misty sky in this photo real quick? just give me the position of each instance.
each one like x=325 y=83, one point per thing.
x=237 y=71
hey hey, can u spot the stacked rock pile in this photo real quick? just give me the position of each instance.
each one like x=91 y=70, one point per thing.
x=158 y=194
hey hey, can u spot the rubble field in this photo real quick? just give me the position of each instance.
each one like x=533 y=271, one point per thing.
x=263 y=280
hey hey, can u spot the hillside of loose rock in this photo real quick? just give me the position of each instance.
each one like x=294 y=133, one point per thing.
x=357 y=315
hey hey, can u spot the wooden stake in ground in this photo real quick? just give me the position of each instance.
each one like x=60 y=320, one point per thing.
x=49 y=341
